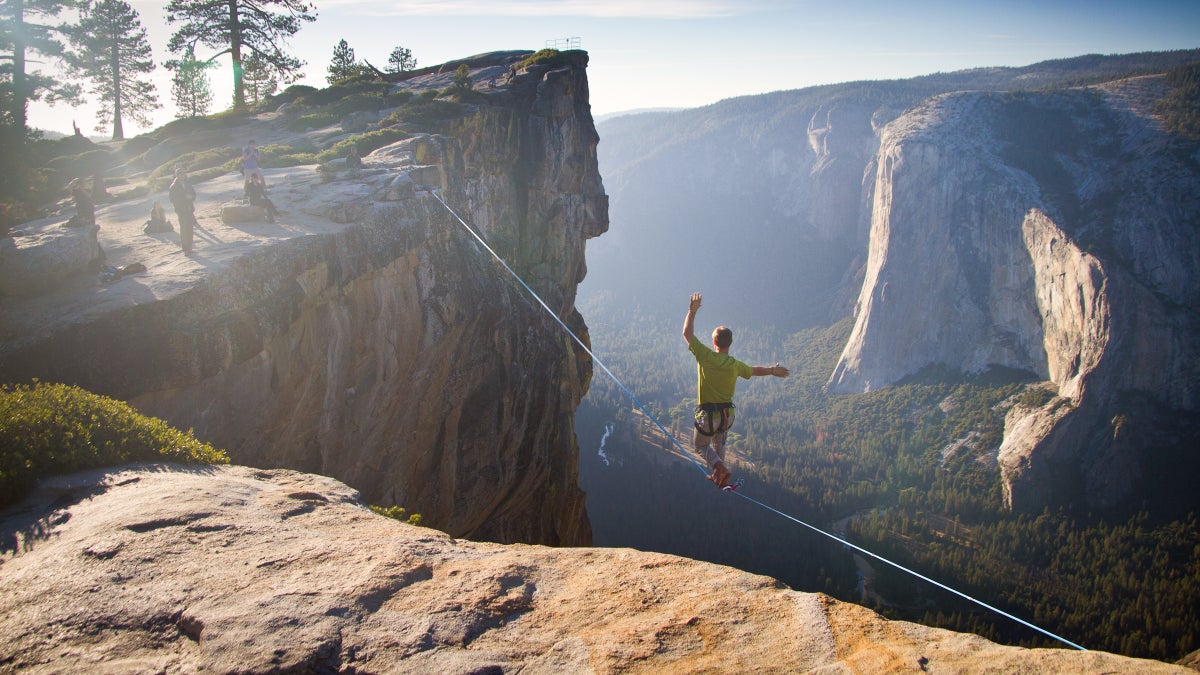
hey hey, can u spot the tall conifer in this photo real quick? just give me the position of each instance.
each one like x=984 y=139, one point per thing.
x=189 y=87
x=110 y=49
x=28 y=44
x=241 y=28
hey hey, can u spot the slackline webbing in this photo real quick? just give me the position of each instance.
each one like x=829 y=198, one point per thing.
x=688 y=454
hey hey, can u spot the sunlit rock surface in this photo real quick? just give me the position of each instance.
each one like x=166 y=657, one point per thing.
x=163 y=568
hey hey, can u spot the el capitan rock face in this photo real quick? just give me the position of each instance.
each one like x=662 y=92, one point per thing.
x=1048 y=233
x=367 y=336
x=184 y=569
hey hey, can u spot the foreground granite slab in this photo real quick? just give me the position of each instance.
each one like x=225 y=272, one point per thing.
x=164 y=568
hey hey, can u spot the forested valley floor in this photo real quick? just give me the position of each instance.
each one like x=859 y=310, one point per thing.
x=907 y=472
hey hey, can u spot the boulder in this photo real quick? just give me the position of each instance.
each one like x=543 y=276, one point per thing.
x=358 y=121
x=400 y=188
x=348 y=211
x=242 y=212
x=47 y=257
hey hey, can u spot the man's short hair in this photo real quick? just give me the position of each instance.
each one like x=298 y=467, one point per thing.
x=723 y=337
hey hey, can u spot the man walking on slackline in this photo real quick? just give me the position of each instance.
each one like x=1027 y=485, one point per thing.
x=717 y=373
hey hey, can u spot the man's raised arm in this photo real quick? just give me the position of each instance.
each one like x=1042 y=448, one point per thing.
x=689 y=323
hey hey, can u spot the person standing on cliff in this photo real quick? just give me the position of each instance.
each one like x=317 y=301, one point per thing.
x=716 y=373
x=250 y=159
x=183 y=198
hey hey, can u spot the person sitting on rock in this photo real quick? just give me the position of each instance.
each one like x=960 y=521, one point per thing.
x=158 y=220
x=353 y=161
x=256 y=194
x=85 y=208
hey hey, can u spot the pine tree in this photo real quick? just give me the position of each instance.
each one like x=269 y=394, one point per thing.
x=260 y=80
x=25 y=31
x=462 y=78
x=109 y=47
x=190 y=87
x=239 y=26
x=343 y=64
x=401 y=60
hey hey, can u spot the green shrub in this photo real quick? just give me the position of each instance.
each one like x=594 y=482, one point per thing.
x=397 y=513
x=424 y=111
x=1035 y=397
x=181 y=126
x=187 y=125
x=200 y=166
x=464 y=95
x=136 y=146
x=296 y=92
x=42 y=152
x=81 y=165
x=365 y=143
x=48 y=429
x=550 y=57
x=285 y=155
x=356 y=102
x=293 y=158
x=273 y=156
x=314 y=120
x=400 y=97
x=462 y=78
x=351 y=86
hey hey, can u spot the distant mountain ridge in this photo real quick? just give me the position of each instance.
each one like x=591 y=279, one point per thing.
x=780 y=175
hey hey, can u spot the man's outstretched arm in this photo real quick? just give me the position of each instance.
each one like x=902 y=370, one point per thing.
x=776 y=370
x=689 y=323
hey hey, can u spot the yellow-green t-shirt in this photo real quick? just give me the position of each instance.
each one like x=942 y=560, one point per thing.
x=716 y=373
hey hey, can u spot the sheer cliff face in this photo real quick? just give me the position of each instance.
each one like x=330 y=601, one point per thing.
x=396 y=354
x=1054 y=234
x=412 y=366
x=930 y=295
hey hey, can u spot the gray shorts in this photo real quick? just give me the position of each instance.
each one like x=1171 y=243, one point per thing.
x=712 y=446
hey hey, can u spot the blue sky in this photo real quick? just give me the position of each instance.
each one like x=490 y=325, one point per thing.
x=686 y=53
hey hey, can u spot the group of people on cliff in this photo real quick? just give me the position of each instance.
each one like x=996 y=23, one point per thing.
x=182 y=195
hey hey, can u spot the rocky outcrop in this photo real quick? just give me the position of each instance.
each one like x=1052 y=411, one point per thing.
x=1048 y=233
x=56 y=255
x=930 y=294
x=231 y=569
x=371 y=338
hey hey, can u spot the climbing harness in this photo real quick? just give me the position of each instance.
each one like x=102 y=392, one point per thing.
x=734 y=489
x=712 y=418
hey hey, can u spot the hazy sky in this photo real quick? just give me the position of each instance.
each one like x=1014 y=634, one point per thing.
x=687 y=53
